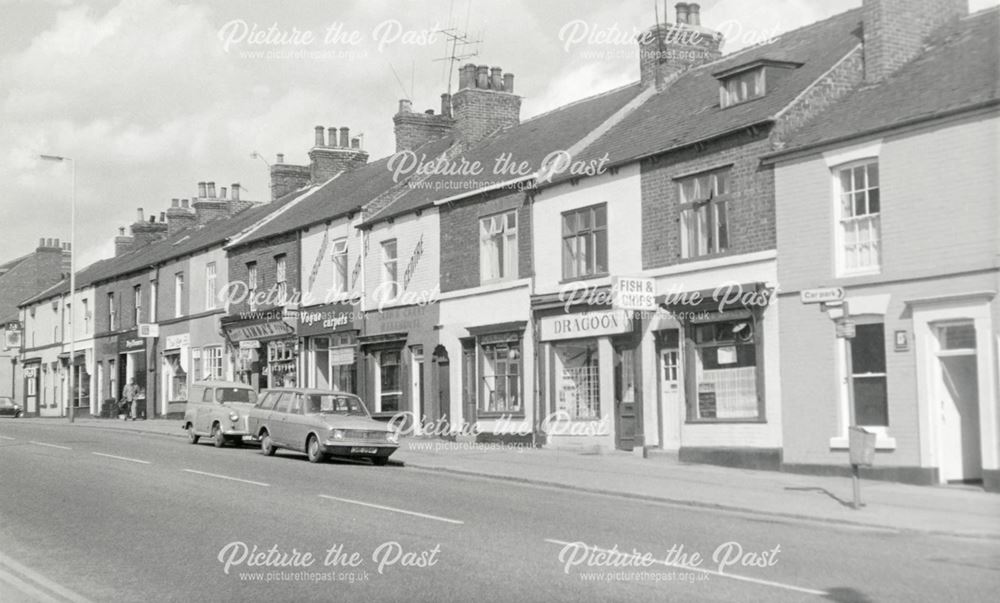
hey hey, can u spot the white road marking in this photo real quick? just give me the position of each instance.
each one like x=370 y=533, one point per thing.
x=800 y=589
x=7 y=438
x=235 y=479
x=25 y=588
x=38 y=579
x=49 y=445
x=122 y=458
x=393 y=509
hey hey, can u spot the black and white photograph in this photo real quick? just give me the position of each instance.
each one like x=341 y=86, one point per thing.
x=499 y=300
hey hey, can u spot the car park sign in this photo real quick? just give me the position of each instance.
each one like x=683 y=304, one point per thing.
x=822 y=295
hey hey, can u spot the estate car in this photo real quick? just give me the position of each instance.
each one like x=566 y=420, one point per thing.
x=218 y=409
x=320 y=423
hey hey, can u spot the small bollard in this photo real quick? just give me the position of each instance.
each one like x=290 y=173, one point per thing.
x=862 y=452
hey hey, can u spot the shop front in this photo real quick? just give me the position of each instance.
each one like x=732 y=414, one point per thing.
x=175 y=369
x=79 y=394
x=711 y=350
x=329 y=338
x=590 y=372
x=265 y=349
x=133 y=367
x=396 y=346
x=32 y=373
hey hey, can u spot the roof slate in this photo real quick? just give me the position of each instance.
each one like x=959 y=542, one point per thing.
x=958 y=69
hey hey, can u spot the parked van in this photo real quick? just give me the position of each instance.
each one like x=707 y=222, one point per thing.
x=218 y=409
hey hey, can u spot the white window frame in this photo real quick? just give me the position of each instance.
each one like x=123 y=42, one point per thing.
x=498 y=231
x=252 y=284
x=137 y=311
x=378 y=380
x=111 y=312
x=281 y=276
x=213 y=366
x=86 y=315
x=341 y=266
x=153 y=289
x=210 y=285
x=883 y=441
x=692 y=216
x=390 y=266
x=871 y=221
x=734 y=89
x=178 y=294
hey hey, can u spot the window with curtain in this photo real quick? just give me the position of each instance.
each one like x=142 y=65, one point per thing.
x=860 y=221
x=498 y=247
x=742 y=87
x=281 y=276
x=704 y=214
x=210 y=282
x=390 y=268
x=340 y=271
x=725 y=370
x=500 y=391
x=252 y=284
x=585 y=242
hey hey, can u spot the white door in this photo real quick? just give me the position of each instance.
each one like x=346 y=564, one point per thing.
x=958 y=398
x=670 y=396
x=417 y=381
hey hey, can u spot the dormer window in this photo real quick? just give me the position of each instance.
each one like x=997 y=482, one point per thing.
x=742 y=87
x=747 y=81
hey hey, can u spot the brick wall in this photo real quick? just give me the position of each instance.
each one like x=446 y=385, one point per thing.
x=286 y=178
x=460 y=238
x=37 y=272
x=264 y=253
x=327 y=162
x=479 y=113
x=671 y=50
x=895 y=30
x=750 y=209
x=414 y=129
x=124 y=302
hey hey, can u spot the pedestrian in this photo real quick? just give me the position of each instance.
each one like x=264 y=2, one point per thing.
x=128 y=398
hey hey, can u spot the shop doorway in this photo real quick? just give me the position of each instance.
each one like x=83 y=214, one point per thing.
x=626 y=396
x=442 y=379
x=957 y=394
x=417 y=376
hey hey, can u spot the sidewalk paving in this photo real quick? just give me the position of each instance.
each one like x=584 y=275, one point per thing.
x=957 y=511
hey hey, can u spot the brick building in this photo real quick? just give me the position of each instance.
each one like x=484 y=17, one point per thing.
x=860 y=214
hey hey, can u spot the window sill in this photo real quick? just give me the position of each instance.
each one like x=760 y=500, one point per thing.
x=725 y=421
x=589 y=277
x=882 y=442
x=864 y=272
x=494 y=415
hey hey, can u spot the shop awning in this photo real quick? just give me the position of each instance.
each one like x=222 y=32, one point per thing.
x=383 y=338
x=515 y=326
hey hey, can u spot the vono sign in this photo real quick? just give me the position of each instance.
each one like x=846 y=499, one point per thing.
x=586 y=324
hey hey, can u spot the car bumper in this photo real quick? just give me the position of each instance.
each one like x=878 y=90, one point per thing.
x=359 y=448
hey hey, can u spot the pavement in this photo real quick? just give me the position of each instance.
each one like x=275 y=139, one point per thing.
x=943 y=510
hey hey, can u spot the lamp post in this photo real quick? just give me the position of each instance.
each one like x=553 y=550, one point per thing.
x=72 y=281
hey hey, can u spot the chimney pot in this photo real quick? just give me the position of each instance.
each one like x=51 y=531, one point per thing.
x=121 y=231
x=496 y=78
x=41 y=242
x=222 y=192
x=429 y=112
x=139 y=217
x=694 y=14
x=682 y=12
x=201 y=190
x=175 y=202
x=211 y=189
x=345 y=138
x=184 y=203
x=405 y=105
x=55 y=242
x=508 y=82
x=235 y=188
x=331 y=137
x=281 y=158
x=152 y=219
x=467 y=76
x=319 y=137
x=355 y=143
x=446 y=104
x=482 y=76
x=163 y=217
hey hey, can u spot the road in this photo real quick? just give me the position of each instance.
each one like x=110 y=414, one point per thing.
x=102 y=515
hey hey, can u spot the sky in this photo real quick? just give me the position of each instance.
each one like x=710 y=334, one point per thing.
x=150 y=97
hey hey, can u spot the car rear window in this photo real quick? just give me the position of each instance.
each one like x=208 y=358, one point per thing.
x=235 y=394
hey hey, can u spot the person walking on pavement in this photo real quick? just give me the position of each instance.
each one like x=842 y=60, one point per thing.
x=128 y=398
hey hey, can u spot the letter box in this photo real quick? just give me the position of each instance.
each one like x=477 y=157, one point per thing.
x=862 y=446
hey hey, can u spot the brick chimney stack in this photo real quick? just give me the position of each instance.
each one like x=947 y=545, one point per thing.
x=123 y=243
x=178 y=217
x=895 y=30
x=329 y=159
x=145 y=233
x=286 y=177
x=667 y=50
x=207 y=206
x=484 y=103
x=415 y=129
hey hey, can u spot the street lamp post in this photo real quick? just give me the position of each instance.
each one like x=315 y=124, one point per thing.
x=72 y=283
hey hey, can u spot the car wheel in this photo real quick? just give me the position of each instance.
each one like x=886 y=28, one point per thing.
x=313 y=451
x=17 y=414
x=192 y=437
x=380 y=461
x=218 y=439
x=266 y=445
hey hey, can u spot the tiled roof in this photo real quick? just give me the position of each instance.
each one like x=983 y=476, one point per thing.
x=957 y=70
x=343 y=195
x=688 y=109
x=530 y=141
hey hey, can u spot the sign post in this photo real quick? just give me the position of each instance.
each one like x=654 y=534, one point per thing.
x=846 y=331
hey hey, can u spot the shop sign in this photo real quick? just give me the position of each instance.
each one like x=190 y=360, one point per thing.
x=325 y=319
x=633 y=294
x=148 y=330
x=177 y=341
x=264 y=330
x=845 y=328
x=822 y=295
x=585 y=324
x=342 y=356
x=12 y=338
x=30 y=372
x=131 y=344
x=249 y=344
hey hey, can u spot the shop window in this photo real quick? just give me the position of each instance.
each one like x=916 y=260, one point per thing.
x=725 y=371
x=343 y=372
x=500 y=388
x=868 y=378
x=859 y=215
x=704 y=214
x=389 y=385
x=578 y=391
x=498 y=247
x=585 y=242
x=177 y=377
